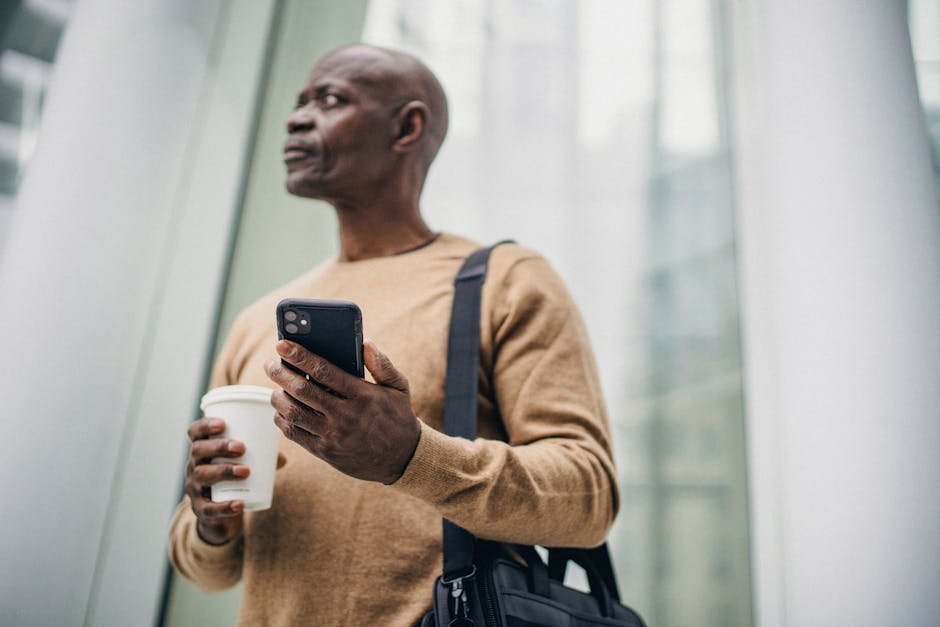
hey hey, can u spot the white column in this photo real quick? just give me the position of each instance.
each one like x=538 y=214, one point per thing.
x=840 y=263
x=108 y=292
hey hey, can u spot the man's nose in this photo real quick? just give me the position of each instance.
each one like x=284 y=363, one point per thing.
x=300 y=121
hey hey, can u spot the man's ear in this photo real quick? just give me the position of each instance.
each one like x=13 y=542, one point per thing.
x=411 y=124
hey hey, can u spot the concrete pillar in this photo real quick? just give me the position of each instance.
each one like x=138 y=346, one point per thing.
x=109 y=286
x=840 y=268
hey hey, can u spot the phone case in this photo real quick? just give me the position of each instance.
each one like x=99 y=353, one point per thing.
x=330 y=328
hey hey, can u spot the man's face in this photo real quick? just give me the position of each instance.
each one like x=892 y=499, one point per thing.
x=340 y=134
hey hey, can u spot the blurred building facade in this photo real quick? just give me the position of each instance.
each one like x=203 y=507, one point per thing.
x=695 y=172
x=29 y=40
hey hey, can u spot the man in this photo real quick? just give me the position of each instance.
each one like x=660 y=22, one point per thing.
x=354 y=534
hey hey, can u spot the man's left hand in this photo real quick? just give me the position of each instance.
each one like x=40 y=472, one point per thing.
x=365 y=430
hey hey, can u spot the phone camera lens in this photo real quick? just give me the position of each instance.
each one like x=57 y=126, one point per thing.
x=291 y=328
x=290 y=316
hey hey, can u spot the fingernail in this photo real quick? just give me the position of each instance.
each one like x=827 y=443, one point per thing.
x=285 y=348
x=240 y=471
x=238 y=506
x=216 y=423
x=235 y=447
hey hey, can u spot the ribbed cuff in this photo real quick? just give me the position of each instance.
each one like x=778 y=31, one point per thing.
x=202 y=552
x=212 y=552
x=427 y=474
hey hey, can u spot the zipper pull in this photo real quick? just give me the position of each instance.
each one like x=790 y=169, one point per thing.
x=461 y=613
x=459 y=594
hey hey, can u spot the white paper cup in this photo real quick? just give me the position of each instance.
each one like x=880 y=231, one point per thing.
x=249 y=418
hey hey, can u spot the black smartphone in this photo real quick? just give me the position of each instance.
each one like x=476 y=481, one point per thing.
x=330 y=328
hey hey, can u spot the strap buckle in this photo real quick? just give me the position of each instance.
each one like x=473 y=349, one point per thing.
x=459 y=578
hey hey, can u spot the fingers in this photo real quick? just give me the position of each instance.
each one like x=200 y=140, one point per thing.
x=206 y=428
x=381 y=367
x=296 y=413
x=297 y=386
x=217 y=522
x=319 y=369
x=205 y=475
x=309 y=441
x=201 y=472
x=199 y=482
x=201 y=476
x=208 y=510
x=203 y=451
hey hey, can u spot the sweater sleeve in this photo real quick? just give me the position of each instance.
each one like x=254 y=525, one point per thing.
x=211 y=567
x=553 y=482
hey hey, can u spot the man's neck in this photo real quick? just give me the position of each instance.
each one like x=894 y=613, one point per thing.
x=380 y=232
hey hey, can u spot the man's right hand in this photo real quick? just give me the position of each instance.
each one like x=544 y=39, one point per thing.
x=217 y=523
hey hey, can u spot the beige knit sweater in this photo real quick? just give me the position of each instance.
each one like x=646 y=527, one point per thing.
x=334 y=550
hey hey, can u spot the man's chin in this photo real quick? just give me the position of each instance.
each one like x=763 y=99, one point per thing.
x=298 y=186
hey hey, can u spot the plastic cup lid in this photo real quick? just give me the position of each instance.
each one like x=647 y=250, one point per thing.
x=228 y=393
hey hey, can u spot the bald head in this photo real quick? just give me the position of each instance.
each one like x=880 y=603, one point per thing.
x=398 y=79
x=368 y=124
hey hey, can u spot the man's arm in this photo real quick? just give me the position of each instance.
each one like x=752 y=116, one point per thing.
x=554 y=481
x=211 y=567
x=208 y=550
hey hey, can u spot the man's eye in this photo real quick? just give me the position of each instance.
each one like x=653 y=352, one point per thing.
x=329 y=100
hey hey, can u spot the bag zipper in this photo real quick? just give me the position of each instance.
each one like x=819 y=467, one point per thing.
x=488 y=600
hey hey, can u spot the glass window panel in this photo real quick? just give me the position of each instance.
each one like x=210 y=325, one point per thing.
x=924 y=18
x=29 y=38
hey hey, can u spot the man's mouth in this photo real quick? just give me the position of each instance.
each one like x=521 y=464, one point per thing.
x=296 y=154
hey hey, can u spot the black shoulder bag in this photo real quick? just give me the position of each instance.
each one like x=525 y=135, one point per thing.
x=481 y=585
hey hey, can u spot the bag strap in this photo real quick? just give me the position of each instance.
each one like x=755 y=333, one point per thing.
x=460 y=387
x=460 y=401
x=463 y=347
x=460 y=419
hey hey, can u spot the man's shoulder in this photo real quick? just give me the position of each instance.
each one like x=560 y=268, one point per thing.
x=513 y=267
x=505 y=255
